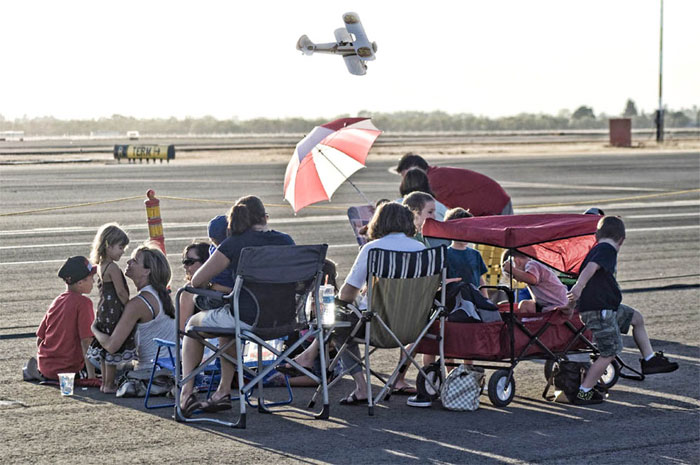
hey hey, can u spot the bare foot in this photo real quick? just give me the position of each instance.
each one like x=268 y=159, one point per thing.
x=108 y=389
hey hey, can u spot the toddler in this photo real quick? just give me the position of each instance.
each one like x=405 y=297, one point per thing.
x=107 y=248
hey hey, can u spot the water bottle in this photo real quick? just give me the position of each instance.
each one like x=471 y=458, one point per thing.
x=327 y=293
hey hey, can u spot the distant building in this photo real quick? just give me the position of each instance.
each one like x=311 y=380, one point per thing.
x=12 y=135
x=132 y=135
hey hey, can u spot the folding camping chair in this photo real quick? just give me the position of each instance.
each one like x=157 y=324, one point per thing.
x=279 y=279
x=401 y=307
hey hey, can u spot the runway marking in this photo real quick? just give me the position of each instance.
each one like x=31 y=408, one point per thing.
x=188 y=239
x=447 y=445
x=542 y=185
x=168 y=226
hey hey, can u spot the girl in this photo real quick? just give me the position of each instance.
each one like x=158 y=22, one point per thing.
x=422 y=206
x=107 y=248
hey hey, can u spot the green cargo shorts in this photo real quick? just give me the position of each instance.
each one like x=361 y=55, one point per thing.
x=624 y=318
x=606 y=331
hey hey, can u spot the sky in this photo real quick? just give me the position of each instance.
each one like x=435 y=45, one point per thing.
x=237 y=59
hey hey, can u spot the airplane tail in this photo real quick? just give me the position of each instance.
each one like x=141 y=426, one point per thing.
x=305 y=45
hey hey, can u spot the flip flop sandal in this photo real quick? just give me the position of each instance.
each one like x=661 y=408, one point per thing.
x=404 y=391
x=291 y=371
x=212 y=406
x=191 y=404
x=353 y=400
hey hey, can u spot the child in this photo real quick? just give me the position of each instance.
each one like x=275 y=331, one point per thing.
x=598 y=300
x=218 y=232
x=107 y=248
x=463 y=261
x=544 y=286
x=64 y=334
x=422 y=206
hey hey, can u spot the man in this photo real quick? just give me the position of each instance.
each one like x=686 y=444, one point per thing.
x=458 y=187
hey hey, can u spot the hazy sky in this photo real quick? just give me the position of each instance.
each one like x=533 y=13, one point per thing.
x=87 y=59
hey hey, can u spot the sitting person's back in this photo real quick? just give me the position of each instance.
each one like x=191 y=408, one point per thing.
x=64 y=333
x=463 y=261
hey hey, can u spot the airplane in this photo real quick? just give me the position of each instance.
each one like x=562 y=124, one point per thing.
x=355 y=51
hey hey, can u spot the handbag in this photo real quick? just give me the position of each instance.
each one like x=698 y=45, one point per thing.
x=461 y=390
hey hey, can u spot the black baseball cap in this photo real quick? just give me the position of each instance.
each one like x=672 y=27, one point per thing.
x=75 y=269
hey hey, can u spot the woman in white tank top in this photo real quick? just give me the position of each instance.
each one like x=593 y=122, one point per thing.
x=151 y=311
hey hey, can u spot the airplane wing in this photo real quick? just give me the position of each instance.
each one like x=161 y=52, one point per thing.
x=363 y=47
x=342 y=35
x=355 y=65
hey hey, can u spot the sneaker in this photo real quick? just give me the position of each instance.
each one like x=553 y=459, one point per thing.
x=587 y=398
x=419 y=401
x=658 y=364
x=30 y=372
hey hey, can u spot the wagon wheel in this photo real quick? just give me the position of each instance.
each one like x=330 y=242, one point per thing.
x=611 y=375
x=434 y=375
x=501 y=392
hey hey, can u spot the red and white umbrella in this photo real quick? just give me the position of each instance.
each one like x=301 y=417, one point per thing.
x=325 y=158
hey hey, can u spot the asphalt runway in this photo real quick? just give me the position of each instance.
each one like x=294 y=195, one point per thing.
x=654 y=421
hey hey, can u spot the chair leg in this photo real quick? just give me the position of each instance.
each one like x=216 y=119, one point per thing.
x=368 y=372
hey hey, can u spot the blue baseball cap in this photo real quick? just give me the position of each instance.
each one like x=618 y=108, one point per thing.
x=217 y=228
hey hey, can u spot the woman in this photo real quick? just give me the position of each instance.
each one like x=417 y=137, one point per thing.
x=248 y=228
x=415 y=180
x=193 y=257
x=151 y=311
x=391 y=228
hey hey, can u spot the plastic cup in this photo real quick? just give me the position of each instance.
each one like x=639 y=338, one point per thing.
x=66 y=381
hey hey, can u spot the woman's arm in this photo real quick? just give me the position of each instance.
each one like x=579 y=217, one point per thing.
x=348 y=293
x=115 y=275
x=216 y=263
x=133 y=312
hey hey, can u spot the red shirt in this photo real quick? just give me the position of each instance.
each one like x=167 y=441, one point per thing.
x=66 y=322
x=458 y=187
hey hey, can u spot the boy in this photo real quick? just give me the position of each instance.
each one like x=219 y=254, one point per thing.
x=463 y=261
x=599 y=297
x=64 y=334
x=548 y=292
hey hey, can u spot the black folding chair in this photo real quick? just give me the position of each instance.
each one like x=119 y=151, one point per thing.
x=279 y=279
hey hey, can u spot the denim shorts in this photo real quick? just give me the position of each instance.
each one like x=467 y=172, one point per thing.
x=605 y=330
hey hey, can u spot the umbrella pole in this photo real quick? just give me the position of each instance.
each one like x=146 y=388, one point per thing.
x=346 y=177
x=359 y=192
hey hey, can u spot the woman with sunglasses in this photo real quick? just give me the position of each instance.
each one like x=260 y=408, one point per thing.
x=247 y=223
x=193 y=257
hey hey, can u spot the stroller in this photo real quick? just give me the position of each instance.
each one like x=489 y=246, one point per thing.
x=560 y=241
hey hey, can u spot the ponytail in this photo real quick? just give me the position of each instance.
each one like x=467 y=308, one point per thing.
x=239 y=219
x=246 y=213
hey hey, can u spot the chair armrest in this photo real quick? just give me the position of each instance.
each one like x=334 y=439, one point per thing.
x=206 y=292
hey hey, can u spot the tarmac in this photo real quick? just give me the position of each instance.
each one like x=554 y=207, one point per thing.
x=51 y=211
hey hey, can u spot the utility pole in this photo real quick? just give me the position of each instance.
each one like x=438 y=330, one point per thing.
x=660 y=112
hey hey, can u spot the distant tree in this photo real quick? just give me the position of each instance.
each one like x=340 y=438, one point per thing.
x=630 y=109
x=583 y=112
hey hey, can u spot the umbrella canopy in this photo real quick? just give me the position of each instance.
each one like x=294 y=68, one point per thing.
x=558 y=240
x=325 y=158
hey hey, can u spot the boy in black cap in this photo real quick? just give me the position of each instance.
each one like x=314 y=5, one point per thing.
x=64 y=334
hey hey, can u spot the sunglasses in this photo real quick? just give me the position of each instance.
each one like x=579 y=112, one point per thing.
x=190 y=261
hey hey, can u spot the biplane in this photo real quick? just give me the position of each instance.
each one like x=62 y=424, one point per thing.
x=351 y=43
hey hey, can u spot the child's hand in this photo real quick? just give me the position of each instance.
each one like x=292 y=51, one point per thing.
x=574 y=294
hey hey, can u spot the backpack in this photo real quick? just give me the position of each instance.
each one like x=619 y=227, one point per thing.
x=461 y=390
x=468 y=305
x=566 y=377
